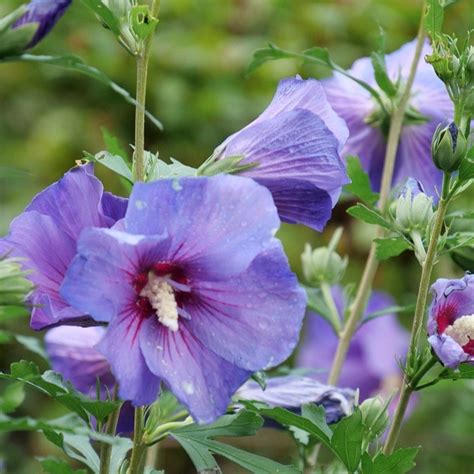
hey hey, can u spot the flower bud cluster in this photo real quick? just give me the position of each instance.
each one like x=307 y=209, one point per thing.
x=454 y=65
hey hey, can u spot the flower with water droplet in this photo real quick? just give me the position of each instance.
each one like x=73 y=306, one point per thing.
x=192 y=297
x=451 y=321
x=293 y=148
x=45 y=236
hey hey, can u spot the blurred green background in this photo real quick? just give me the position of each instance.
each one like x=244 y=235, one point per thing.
x=199 y=91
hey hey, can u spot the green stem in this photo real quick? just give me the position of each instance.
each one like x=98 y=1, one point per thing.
x=329 y=300
x=143 y=59
x=106 y=448
x=409 y=383
x=136 y=461
x=371 y=266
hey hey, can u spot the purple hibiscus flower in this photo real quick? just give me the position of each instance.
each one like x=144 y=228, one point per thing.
x=294 y=146
x=293 y=391
x=366 y=121
x=197 y=291
x=451 y=321
x=45 y=235
x=372 y=360
x=45 y=13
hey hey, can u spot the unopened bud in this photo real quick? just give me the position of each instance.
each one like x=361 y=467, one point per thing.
x=448 y=148
x=374 y=416
x=323 y=265
x=413 y=210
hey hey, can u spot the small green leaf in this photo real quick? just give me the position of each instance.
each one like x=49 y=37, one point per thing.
x=12 y=397
x=32 y=344
x=105 y=14
x=113 y=145
x=399 y=462
x=347 y=440
x=391 y=247
x=319 y=54
x=434 y=16
x=466 y=169
x=370 y=216
x=142 y=22
x=465 y=371
x=381 y=75
x=360 y=185
x=113 y=162
x=271 y=53
x=175 y=169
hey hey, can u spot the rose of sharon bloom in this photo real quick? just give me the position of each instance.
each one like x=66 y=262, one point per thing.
x=368 y=125
x=372 y=361
x=451 y=321
x=72 y=353
x=197 y=291
x=294 y=145
x=45 y=235
x=46 y=14
x=293 y=391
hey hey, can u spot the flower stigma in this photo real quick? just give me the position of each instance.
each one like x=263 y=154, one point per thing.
x=162 y=299
x=462 y=330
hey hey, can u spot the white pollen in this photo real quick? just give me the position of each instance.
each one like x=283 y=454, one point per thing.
x=161 y=296
x=462 y=331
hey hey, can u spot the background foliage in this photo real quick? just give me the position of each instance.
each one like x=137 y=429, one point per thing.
x=199 y=91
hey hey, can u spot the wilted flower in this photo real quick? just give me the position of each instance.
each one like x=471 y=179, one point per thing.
x=428 y=106
x=44 y=13
x=197 y=290
x=293 y=391
x=45 y=236
x=451 y=320
x=72 y=353
x=448 y=148
x=293 y=148
x=372 y=360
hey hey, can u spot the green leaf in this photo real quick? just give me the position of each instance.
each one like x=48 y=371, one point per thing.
x=370 y=216
x=381 y=75
x=75 y=63
x=347 y=440
x=52 y=384
x=196 y=441
x=465 y=371
x=391 y=247
x=113 y=145
x=113 y=162
x=389 y=310
x=175 y=169
x=261 y=56
x=360 y=185
x=466 y=169
x=434 y=16
x=12 y=397
x=32 y=344
x=315 y=302
x=105 y=14
x=58 y=466
x=142 y=22
x=399 y=462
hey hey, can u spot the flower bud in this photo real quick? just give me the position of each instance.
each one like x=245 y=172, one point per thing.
x=448 y=148
x=14 y=285
x=374 y=416
x=323 y=265
x=413 y=210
